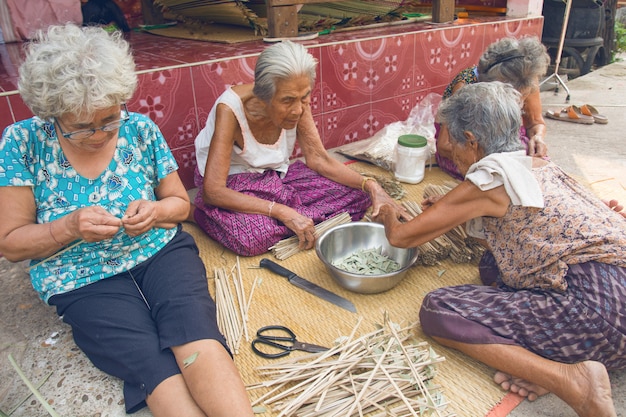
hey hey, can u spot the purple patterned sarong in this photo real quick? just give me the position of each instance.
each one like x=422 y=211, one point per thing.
x=302 y=189
x=587 y=322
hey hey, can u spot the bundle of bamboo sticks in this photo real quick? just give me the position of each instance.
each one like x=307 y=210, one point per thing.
x=464 y=248
x=232 y=305
x=288 y=247
x=386 y=372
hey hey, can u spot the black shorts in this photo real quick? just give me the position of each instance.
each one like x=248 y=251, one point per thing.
x=122 y=336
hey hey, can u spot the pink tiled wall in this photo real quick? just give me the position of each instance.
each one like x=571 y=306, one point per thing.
x=362 y=84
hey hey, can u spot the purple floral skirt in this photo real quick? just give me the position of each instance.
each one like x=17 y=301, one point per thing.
x=302 y=189
x=587 y=322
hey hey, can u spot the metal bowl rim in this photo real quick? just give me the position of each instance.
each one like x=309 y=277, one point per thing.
x=319 y=241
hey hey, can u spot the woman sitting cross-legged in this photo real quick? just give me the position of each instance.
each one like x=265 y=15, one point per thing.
x=555 y=320
x=250 y=195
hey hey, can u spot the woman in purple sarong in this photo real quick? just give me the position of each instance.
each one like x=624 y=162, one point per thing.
x=249 y=196
x=551 y=316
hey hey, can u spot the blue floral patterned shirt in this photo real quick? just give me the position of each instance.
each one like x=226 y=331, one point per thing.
x=30 y=155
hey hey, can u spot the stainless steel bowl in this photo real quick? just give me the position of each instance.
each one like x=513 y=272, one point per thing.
x=344 y=240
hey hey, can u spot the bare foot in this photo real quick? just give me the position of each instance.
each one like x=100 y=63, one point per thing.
x=589 y=394
x=519 y=386
x=587 y=391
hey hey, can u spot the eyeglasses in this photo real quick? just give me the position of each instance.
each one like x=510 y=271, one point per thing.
x=87 y=133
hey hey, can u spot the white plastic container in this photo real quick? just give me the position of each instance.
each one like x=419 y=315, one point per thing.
x=410 y=157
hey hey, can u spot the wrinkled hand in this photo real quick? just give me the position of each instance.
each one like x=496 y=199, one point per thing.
x=93 y=224
x=303 y=227
x=380 y=199
x=616 y=207
x=428 y=202
x=140 y=216
x=387 y=214
x=537 y=147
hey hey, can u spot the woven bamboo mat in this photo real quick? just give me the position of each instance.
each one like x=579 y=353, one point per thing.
x=467 y=384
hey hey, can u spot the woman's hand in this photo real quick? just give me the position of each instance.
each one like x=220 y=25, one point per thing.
x=302 y=226
x=387 y=215
x=92 y=224
x=140 y=216
x=537 y=147
x=380 y=198
x=426 y=203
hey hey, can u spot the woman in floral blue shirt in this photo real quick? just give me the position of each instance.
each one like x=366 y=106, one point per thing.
x=90 y=194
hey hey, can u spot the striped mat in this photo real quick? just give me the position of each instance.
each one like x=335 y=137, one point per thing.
x=467 y=384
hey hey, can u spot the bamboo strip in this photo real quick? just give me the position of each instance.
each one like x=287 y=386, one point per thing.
x=383 y=373
x=289 y=246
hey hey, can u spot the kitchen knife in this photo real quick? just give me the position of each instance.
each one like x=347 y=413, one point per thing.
x=307 y=285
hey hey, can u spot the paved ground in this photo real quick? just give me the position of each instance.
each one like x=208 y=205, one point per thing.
x=42 y=345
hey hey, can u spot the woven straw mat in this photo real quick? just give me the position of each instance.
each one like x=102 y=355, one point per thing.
x=467 y=384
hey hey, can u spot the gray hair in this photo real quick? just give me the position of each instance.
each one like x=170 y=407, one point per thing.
x=519 y=62
x=76 y=70
x=490 y=110
x=279 y=62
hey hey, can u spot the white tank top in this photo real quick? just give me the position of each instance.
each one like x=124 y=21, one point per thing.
x=255 y=156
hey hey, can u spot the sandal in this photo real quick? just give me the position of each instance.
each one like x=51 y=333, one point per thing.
x=570 y=114
x=589 y=110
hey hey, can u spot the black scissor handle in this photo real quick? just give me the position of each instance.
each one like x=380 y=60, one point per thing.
x=272 y=340
x=262 y=334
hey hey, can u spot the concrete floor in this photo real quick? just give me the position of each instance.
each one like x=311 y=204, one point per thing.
x=42 y=344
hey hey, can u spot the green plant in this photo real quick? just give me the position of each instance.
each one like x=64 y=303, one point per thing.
x=620 y=42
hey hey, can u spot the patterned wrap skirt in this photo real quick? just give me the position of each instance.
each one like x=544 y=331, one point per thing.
x=302 y=189
x=587 y=322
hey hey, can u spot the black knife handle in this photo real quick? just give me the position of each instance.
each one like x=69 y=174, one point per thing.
x=274 y=267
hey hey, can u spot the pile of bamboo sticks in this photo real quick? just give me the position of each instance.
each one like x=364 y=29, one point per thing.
x=232 y=305
x=288 y=247
x=384 y=373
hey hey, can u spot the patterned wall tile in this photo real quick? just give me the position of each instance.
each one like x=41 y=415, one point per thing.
x=348 y=125
x=18 y=108
x=392 y=66
x=186 y=158
x=346 y=75
x=211 y=80
x=164 y=96
x=441 y=54
x=6 y=115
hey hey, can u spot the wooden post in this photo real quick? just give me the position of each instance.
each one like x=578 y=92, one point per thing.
x=282 y=21
x=443 y=11
x=151 y=14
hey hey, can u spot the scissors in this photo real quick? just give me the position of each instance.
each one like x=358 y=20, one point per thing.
x=283 y=345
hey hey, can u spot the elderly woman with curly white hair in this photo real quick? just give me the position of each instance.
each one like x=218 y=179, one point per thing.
x=90 y=194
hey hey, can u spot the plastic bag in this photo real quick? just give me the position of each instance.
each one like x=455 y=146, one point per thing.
x=379 y=148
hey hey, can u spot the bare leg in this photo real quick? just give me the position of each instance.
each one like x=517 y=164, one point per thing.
x=172 y=398
x=213 y=380
x=584 y=386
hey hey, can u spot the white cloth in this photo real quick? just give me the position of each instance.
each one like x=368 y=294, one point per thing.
x=513 y=170
x=255 y=156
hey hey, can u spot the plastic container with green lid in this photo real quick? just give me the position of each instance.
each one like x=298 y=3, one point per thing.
x=410 y=157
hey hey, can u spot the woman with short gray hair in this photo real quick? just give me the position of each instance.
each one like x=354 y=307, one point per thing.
x=250 y=195
x=519 y=62
x=550 y=313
